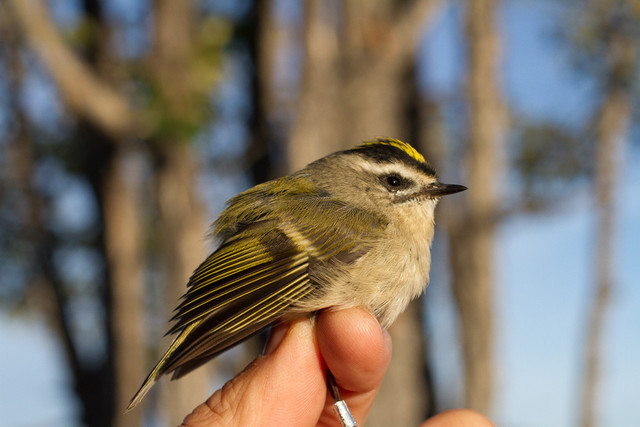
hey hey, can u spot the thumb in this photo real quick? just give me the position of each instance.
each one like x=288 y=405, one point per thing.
x=284 y=387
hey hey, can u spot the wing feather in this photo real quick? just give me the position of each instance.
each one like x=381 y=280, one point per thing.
x=268 y=277
x=261 y=271
x=240 y=326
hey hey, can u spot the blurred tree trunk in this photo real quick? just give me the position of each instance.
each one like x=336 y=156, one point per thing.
x=182 y=231
x=119 y=198
x=351 y=76
x=181 y=225
x=263 y=47
x=102 y=164
x=124 y=259
x=612 y=123
x=380 y=43
x=357 y=85
x=472 y=233
x=317 y=130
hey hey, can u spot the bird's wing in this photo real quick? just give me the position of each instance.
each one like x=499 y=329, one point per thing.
x=239 y=290
x=257 y=275
x=262 y=272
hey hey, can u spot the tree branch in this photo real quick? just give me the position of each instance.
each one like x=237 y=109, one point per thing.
x=81 y=89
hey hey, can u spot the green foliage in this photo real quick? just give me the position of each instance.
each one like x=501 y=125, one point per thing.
x=605 y=38
x=204 y=72
x=548 y=157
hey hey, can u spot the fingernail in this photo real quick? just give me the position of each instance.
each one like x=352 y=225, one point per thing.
x=275 y=338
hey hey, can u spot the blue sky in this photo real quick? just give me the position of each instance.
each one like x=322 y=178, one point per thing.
x=544 y=266
x=34 y=386
x=545 y=288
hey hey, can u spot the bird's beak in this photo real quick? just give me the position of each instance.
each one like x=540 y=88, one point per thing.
x=439 y=189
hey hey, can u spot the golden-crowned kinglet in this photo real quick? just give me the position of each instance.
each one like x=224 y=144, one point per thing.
x=352 y=229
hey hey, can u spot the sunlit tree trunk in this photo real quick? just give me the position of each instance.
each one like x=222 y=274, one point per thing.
x=123 y=245
x=182 y=232
x=472 y=233
x=612 y=124
x=181 y=228
x=317 y=130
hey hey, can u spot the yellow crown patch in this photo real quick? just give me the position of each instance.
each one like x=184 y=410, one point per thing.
x=408 y=149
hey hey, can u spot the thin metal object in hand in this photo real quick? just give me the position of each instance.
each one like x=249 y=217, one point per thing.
x=339 y=405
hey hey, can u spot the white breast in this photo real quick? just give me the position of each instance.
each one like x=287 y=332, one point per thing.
x=396 y=271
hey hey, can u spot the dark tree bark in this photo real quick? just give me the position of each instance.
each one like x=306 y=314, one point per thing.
x=263 y=46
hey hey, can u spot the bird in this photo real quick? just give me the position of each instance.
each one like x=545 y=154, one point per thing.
x=352 y=229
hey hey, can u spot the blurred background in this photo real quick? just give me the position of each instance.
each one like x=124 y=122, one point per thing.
x=125 y=126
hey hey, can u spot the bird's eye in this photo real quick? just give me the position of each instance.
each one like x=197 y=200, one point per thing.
x=394 y=181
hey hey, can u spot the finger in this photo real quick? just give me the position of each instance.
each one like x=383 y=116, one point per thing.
x=357 y=351
x=458 y=418
x=285 y=387
x=276 y=335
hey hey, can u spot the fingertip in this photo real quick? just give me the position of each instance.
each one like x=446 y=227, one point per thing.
x=458 y=418
x=354 y=346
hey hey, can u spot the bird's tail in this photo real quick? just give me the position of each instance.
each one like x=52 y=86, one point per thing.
x=159 y=369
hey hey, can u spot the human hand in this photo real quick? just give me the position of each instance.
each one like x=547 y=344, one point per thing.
x=287 y=386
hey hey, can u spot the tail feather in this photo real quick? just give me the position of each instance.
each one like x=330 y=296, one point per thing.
x=160 y=367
